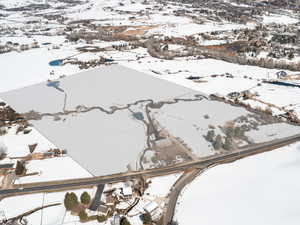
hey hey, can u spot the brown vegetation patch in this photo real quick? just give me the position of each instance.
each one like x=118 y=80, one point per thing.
x=125 y=31
x=137 y=30
x=292 y=77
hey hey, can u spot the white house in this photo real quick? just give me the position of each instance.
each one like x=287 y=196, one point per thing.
x=127 y=191
x=150 y=207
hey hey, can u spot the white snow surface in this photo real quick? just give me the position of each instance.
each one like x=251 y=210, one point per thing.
x=18 y=3
x=160 y=186
x=261 y=189
x=279 y=19
x=19 y=69
x=14 y=206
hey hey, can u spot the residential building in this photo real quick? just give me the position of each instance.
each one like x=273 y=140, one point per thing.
x=150 y=207
x=103 y=210
x=116 y=220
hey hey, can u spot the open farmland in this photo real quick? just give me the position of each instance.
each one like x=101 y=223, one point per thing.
x=115 y=119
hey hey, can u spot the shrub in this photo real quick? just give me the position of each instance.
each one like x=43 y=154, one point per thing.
x=101 y=218
x=83 y=216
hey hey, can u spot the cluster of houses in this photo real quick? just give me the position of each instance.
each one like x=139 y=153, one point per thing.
x=117 y=201
x=10 y=46
x=279 y=52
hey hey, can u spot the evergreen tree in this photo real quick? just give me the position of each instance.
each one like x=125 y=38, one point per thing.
x=173 y=223
x=20 y=168
x=238 y=132
x=228 y=145
x=85 y=198
x=218 y=142
x=210 y=135
x=66 y=202
x=230 y=131
x=291 y=55
x=124 y=221
x=70 y=200
x=146 y=218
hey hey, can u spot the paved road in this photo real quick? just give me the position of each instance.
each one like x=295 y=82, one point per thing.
x=201 y=163
x=186 y=178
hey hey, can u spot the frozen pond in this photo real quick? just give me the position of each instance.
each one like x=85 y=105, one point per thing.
x=91 y=114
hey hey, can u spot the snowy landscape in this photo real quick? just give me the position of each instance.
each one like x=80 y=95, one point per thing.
x=149 y=112
x=267 y=179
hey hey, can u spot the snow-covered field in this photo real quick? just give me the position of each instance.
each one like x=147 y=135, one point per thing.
x=279 y=19
x=98 y=140
x=47 y=169
x=259 y=190
x=244 y=78
x=23 y=69
x=187 y=121
x=105 y=149
x=14 y=206
x=188 y=28
x=183 y=68
x=273 y=131
x=262 y=189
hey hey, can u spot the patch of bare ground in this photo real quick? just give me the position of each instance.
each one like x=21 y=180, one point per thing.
x=137 y=30
x=126 y=31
